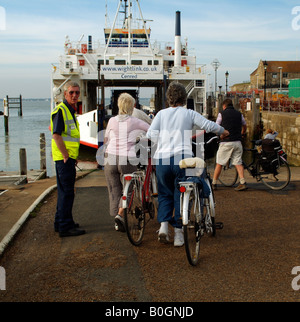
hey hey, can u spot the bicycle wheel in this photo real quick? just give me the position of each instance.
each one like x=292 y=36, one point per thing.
x=134 y=214
x=277 y=180
x=192 y=231
x=209 y=213
x=229 y=175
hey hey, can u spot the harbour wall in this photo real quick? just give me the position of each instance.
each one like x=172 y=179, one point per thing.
x=288 y=127
x=286 y=124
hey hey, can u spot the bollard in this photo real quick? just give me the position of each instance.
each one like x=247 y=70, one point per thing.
x=43 y=164
x=23 y=162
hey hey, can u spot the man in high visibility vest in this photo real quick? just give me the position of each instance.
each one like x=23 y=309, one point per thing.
x=65 y=148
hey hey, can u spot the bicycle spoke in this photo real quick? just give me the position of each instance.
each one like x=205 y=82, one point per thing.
x=192 y=231
x=134 y=215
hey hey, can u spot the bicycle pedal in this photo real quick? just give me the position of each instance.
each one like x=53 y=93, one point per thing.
x=219 y=225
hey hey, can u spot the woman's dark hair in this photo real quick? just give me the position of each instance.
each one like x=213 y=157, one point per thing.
x=176 y=95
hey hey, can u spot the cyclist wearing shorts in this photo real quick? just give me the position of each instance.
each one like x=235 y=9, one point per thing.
x=231 y=146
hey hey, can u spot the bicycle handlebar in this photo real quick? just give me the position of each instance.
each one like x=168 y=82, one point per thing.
x=212 y=139
x=208 y=142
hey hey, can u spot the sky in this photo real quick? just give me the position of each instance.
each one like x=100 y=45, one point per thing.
x=238 y=33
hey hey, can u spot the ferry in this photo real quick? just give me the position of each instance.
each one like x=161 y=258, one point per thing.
x=127 y=61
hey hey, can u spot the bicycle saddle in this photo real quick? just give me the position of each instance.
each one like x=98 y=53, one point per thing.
x=192 y=163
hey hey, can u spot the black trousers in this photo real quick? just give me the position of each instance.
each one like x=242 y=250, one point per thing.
x=65 y=177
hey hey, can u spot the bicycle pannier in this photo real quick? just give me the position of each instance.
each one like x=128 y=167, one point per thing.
x=269 y=163
x=269 y=157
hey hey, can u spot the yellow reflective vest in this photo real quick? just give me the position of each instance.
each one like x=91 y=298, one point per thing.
x=70 y=135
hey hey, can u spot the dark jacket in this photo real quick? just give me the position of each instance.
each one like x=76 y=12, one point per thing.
x=232 y=122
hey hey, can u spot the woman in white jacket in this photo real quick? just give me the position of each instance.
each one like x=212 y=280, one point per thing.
x=171 y=129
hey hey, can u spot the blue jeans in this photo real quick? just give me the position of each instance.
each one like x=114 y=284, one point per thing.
x=65 y=177
x=168 y=193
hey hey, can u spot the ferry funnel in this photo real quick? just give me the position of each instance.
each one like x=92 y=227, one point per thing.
x=177 y=59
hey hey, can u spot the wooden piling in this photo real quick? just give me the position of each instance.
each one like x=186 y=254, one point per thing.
x=6 y=112
x=21 y=107
x=43 y=164
x=6 y=124
x=15 y=102
x=23 y=162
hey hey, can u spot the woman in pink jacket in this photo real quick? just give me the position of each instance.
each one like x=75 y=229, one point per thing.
x=120 y=137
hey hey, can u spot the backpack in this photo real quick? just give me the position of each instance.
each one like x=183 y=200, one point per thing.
x=270 y=146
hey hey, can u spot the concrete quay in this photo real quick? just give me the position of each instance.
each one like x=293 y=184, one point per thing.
x=251 y=259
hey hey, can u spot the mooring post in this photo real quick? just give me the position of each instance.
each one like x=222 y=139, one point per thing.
x=5 y=114
x=43 y=164
x=21 y=107
x=23 y=162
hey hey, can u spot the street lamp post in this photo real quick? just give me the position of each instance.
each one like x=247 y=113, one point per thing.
x=226 y=75
x=280 y=68
x=216 y=64
x=265 y=68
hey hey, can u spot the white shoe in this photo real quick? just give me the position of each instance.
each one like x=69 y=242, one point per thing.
x=119 y=224
x=163 y=234
x=178 y=237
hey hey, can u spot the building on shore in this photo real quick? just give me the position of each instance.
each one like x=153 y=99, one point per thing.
x=275 y=75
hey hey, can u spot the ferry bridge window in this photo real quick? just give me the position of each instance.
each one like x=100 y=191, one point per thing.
x=120 y=62
x=156 y=62
x=136 y=62
x=101 y=62
x=199 y=83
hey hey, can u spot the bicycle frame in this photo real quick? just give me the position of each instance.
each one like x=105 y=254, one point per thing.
x=276 y=179
x=186 y=189
x=128 y=178
x=148 y=178
x=139 y=198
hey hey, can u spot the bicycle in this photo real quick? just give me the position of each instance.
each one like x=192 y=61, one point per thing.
x=197 y=205
x=140 y=197
x=274 y=174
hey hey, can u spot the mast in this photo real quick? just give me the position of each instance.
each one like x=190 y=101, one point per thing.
x=129 y=31
x=112 y=29
x=145 y=29
x=127 y=26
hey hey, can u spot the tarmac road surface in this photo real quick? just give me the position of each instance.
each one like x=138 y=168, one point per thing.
x=250 y=260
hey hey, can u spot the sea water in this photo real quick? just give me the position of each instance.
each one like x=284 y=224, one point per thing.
x=24 y=133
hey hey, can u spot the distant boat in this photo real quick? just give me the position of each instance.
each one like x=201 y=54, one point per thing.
x=128 y=61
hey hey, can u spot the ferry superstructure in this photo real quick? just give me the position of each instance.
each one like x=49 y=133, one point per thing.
x=126 y=61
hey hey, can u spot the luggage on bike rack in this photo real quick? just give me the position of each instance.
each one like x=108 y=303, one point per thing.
x=269 y=156
x=270 y=146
